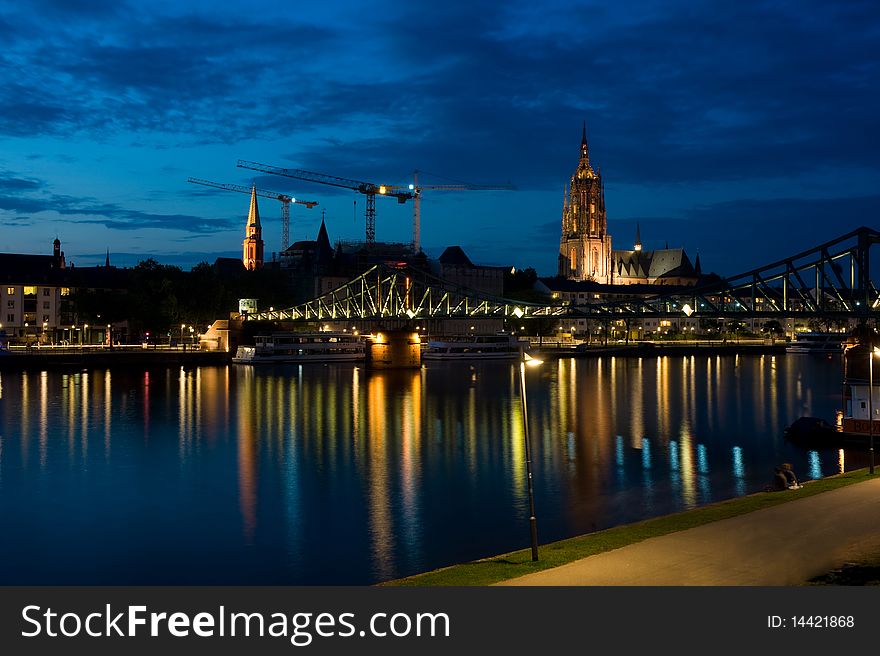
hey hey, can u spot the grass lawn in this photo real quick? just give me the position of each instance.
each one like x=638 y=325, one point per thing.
x=518 y=563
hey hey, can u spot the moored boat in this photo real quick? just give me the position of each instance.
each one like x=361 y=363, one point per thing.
x=817 y=343
x=281 y=347
x=476 y=347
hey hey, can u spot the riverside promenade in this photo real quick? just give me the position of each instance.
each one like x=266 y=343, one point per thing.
x=50 y=357
x=787 y=544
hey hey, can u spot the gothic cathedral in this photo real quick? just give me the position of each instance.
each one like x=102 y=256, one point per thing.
x=585 y=245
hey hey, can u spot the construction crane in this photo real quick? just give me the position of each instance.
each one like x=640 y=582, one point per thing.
x=369 y=189
x=417 y=202
x=284 y=198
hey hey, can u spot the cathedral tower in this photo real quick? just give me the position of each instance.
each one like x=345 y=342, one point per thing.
x=252 y=256
x=585 y=245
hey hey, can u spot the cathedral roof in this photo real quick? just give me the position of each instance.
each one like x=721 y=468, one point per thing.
x=661 y=263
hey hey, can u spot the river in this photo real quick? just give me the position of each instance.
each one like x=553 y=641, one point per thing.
x=331 y=474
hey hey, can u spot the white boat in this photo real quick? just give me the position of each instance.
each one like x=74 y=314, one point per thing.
x=302 y=347
x=817 y=343
x=478 y=347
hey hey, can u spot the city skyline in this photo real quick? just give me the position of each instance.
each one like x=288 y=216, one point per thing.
x=708 y=124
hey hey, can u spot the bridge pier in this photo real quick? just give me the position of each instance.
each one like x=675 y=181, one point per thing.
x=394 y=349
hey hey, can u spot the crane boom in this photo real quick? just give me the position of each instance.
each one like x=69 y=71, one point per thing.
x=369 y=189
x=284 y=198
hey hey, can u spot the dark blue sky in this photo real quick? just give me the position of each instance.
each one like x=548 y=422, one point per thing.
x=743 y=131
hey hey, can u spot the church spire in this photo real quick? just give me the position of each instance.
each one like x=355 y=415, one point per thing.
x=252 y=246
x=585 y=150
x=638 y=245
x=254 y=212
x=107 y=259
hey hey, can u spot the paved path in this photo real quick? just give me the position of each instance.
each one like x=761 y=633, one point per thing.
x=783 y=545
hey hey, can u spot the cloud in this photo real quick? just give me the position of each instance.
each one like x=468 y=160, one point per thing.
x=13 y=182
x=672 y=92
x=86 y=210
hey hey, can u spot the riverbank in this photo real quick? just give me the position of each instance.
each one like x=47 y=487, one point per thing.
x=567 y=552
x=91 y=356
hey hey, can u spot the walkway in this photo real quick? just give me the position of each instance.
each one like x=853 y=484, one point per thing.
x=783 y=545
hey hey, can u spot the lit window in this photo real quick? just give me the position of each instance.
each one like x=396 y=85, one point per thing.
x=10 y=290
x=30 y=291
x=65 y=291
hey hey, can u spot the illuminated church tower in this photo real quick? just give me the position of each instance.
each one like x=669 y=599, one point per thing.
x=252 y=256
x=585 y=245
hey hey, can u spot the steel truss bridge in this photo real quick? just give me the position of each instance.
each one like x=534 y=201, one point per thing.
x=830 y=281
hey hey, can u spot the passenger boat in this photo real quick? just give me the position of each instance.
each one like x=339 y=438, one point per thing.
x=817 y=343
x=477 y=347
x=280 y=347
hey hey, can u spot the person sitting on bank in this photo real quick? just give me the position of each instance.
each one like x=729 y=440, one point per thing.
x=780 y=482
x=790 y=478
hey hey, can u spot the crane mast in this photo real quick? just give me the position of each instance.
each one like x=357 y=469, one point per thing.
x=417 y=202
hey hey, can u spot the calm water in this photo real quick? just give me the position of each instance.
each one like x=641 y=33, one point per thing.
x=331 y=474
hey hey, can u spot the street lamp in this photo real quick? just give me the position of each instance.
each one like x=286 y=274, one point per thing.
x=871 y=353
x=528 y=361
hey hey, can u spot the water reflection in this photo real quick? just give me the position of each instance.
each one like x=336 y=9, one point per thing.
x=335 y=474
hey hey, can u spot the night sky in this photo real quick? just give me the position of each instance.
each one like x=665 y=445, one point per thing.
x=744 y=131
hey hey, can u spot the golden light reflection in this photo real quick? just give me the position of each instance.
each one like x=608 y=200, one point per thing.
x=146 y=406
x=710 y=396
x=663 y=394
x=612 y=388
x=44 y=417
x=687 y=469
x=84 y=395
x=381 y=519
x=25 y=418
x=637 y=410
x=692 y=381
x=108 y=407
x=411 y=478
x=356 y=401
x=247 y=455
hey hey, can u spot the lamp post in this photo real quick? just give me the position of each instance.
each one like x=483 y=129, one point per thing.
x=527 y=360
x=873 y=349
